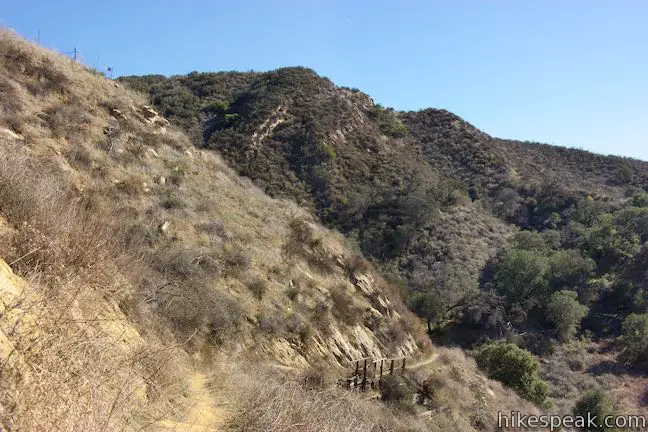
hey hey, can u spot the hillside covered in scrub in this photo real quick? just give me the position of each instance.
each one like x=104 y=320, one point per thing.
x=213 y=252
x=489 y=239
x=146 y=285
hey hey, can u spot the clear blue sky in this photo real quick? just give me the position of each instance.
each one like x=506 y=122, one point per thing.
x=567 y=72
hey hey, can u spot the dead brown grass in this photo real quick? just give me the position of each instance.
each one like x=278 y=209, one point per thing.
x=72 y=366
x=58 y=236
x=264 y=400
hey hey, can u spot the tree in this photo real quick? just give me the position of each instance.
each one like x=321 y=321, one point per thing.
x=521 y=275
x=531 y=241
x=633 y=221
x=565 y=312
x=594 y=403
x=634 y=337
x=624 y=174
x=605 y=243
x=515 y=367
x=568 y=268
x=588 y=211
x=428 y=306
x=639 y=199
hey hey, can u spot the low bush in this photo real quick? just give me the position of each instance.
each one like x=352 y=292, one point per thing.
x=514 y=367
x=321 y=316
x=396 y=392
x=270 y=324
x=234 y=259
x=258 y=287
x=302 y=241
x=594 y=404
x=58 y=234
x=356 y=263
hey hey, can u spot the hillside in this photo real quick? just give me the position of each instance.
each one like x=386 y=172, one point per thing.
x=144 y=282
x=413 y=189
x=363 y=168
x=489 y=239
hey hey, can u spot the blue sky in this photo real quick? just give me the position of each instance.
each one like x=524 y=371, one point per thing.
x=568 y=72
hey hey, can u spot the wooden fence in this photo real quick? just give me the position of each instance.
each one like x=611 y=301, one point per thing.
x=368 y=372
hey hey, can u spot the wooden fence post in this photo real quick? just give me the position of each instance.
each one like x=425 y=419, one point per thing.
x=364 y=375
x=355 y=376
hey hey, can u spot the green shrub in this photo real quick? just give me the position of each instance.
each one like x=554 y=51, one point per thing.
x=514 y=367
x=531 y=241
x=568 y=268
x=565 y=312
x=393 y=127
x=589 y=211
x=594 y=403
x=634 y=338
x=639 y=199
x=605 y=243
x=521 y=275
x=624 y=174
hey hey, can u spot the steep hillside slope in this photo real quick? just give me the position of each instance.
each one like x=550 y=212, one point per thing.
x=490 y=239
x=410 y=188
x=333 y=150
x=140 y=268
x=200 y=255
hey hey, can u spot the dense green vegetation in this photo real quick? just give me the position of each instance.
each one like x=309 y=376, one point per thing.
x=515 y=367
x=594 y=404
x=582 y=267
x=634 y=338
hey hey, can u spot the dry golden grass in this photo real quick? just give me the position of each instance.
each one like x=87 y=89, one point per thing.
x=71 y=359
x=71 y=362
x=261 y=399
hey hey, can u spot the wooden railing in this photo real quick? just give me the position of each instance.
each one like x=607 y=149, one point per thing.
x=368 y=372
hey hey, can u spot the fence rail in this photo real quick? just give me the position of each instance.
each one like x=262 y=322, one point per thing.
x=368 y=372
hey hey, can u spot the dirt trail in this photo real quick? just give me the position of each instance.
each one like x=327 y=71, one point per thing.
x=204 y=414
x=425 y=362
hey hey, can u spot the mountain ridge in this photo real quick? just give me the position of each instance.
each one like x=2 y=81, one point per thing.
x=323 y=136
